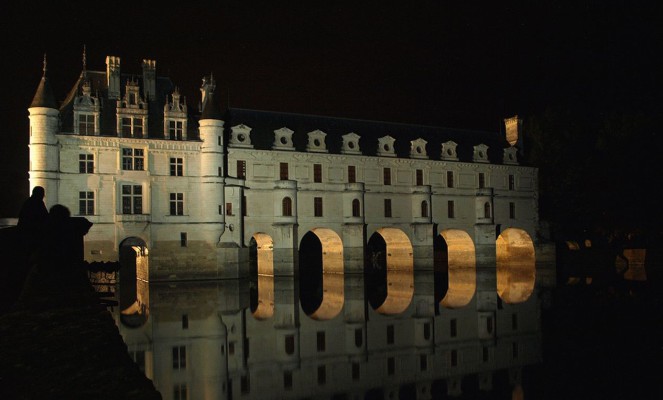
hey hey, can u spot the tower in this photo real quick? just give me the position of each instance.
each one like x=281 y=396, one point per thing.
x=44 y=124
x=212 y=160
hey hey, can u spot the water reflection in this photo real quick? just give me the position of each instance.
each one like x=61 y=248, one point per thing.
x=203 y=340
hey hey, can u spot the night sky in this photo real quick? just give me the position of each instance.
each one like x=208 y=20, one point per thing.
x=454 y=64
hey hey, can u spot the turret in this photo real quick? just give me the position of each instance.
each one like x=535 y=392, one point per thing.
x=212 y=158
x=44 y=124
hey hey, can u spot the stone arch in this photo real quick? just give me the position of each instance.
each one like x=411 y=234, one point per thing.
x=390 y=271
x=261 y=275
x=321 y=273
x=516 y=260
x=134 y=282
x=455 y=261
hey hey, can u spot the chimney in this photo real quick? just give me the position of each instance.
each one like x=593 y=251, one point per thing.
x=149 y=79
x=514 y=128
x=113 y=76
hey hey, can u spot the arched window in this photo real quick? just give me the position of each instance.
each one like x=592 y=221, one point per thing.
x=486 y=210
x=356 y=210
x=424 y=209
x=286 y=206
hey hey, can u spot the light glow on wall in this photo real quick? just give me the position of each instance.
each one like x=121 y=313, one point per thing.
x=516 y=270
x=461 y=260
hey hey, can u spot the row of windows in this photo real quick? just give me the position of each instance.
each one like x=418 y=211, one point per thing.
x=386 y=175
x=130 y=126
x=132 y=160
x=132 y=203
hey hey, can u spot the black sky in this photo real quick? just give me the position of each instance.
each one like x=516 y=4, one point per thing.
x=457 y=64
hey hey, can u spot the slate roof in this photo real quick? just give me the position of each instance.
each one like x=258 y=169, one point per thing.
x=264 y=123
x=44 y=95
x=97 y=79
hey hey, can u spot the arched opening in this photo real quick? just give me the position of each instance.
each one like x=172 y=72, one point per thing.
x=455 y=268
x=356 y=208
x=134 y=282
x=486 y=210
x=286 y=207
x=321 y=274
x=424 y=209
x=389 y=271
x=261 y=275
x=516 y=270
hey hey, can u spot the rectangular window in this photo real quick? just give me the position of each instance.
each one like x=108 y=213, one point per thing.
x=322 y=375
x=241 y=169
x=244 y=210
x=86 y=163
x=420 y=177
x=177 y=204
x=219 y=171
x=133 y=159
x=387 y=208
x=514 y=322
x=85 y=124
x=85 y=203
x=180 y=391
x=485 y=354
x=287 y=379
x=138 y=127
x=450 y=179
x=390 y=334
x=289 y=344
x=450 y=209
x=352 y=174
x=185 y=321
x=132 y=199
x=229 y=208
x=175 y=130
x=184 y=241
x=512 y=210
x=453 y=327
x=320 y=339
x=482 y=180
x=283 y=171
x=179 y=357
x=454 y=358
x=244 y=384
x=126 y=127
x=391 y=366
x=387 y=176
x=356 y=371
x=512 y=182
x=176 y=166
x=514 y=350
x=317 y=206
x=423 y=362
x=317 y=173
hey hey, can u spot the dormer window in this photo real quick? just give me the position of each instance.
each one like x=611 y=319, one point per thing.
x=86 y=124
x=174 y=113
x=132 y=113
x=132 y=127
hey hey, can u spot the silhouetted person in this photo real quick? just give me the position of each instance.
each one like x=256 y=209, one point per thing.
x=33 y=211
x=60 y=275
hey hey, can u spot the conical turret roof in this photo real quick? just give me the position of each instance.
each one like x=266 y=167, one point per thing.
x=44 y=96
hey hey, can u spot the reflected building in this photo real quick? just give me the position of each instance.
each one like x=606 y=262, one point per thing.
x=202 y=340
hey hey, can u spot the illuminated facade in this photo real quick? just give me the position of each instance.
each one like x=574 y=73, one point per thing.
x=196 y=189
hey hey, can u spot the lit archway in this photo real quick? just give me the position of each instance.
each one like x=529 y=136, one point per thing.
x=261 y=275
x=134 y=282
x=389 y=271
x=321 y=274
x=516 y=271
x=455 y=260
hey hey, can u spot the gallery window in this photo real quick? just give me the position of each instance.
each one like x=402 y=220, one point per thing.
x=177 y=204
x=133 y=159
x=86 y=163
x=132 y=199
x=85 y=203
x=176 y=166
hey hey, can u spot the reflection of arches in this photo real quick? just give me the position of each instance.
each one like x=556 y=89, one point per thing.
x=516 y=270
x=321 y=273
x=456 y=258
x=134 y=282
x=261 y=270
x=389 y=270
